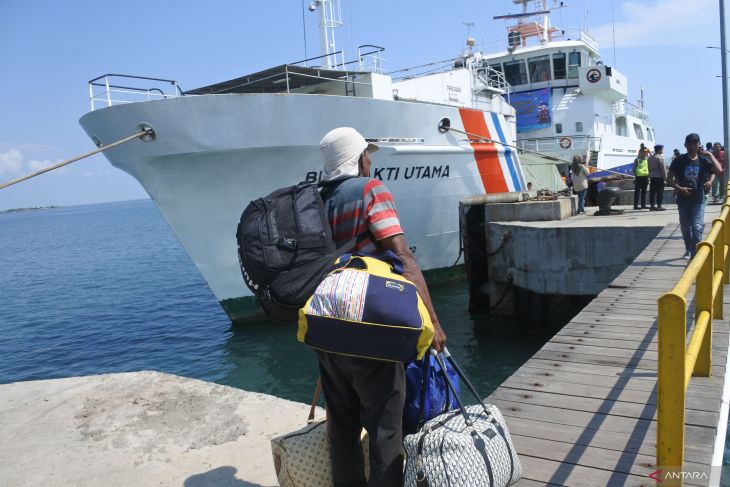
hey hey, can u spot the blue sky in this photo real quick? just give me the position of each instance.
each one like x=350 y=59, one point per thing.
x=49 y=50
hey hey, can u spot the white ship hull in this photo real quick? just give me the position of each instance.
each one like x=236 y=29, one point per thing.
x=214 y=153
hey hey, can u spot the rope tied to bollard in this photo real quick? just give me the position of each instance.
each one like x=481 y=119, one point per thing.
x=444 y=127
x=147 y=132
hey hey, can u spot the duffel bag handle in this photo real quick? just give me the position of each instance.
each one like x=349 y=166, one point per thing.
x=388 y=257
x=465 y=379
x=451 y=387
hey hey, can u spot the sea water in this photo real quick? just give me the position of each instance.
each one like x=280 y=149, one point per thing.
x=108 y=288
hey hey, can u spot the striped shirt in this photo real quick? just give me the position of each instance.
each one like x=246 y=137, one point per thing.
x=362 y=208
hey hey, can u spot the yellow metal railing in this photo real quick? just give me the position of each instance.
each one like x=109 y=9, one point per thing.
x=678 y=362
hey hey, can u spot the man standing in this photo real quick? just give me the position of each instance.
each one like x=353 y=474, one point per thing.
x=641 y=175
x=689 y=175
x=657 y=176
x=718 y=192
x=363 y=393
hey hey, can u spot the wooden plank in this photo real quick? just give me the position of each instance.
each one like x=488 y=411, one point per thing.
x=591 y=426
x=630 y=365
x=598 y=438
x=587 y=456
x=537 y=373
x=607 y=407
x=615 y=391
x=638 y=354
x=568 y=475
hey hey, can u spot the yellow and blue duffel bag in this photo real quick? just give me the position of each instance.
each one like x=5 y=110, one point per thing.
x=366 y=308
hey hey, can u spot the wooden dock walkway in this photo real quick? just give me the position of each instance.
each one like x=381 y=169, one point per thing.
x=582 y=410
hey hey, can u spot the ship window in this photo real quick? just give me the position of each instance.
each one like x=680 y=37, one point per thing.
x=515 y=73
x=579 y=126
x=559 y=66
x=558 y=128
x=639 y=132
x=573 y=64
x=650 y=133
x=621 y=127
x=539 y=68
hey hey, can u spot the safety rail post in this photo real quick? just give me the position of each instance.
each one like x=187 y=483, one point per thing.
x=108 y=92
x=672 y=325
x=718 y=269
x=703 y=302
x=726 y=252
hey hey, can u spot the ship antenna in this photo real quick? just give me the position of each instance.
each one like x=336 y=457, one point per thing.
x=304 y=30
x=613 y=31
x=469 y=40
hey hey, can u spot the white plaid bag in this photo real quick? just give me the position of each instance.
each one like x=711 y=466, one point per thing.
x=466 y=446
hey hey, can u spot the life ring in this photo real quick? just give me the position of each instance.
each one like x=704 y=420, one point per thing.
x=566 y=142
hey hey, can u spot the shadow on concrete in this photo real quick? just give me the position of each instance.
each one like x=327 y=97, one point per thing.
x=218 y=477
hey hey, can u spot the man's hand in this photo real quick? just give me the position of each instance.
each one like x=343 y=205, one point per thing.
x=439 y=337
x=684 y=191
x=708 y=184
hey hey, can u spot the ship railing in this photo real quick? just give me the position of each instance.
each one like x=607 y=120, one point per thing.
x=492 y=80
x=681 y=359
x=114 y=89
x=572 y=34
x=574 y=144
x=623 y=108
x=370 y=60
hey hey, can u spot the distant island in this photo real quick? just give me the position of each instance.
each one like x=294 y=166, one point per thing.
x=35 y=208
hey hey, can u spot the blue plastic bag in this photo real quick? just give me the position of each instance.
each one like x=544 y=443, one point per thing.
x=427 y=391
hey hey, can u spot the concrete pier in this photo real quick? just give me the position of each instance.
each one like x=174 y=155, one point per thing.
x=141 y=428
x=526 y=256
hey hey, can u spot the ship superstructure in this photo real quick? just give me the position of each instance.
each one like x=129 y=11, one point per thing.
x=568 y=100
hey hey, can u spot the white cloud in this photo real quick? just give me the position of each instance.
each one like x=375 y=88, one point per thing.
x=38 y=165
x=11 y=161
x=661 y=23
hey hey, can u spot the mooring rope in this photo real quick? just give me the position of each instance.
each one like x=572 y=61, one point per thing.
x=144 y=132
x=541 y=154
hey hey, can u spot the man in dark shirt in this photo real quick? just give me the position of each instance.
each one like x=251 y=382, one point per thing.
x=690 y=175
x=361 y=392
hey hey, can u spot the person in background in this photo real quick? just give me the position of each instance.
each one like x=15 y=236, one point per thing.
x=718 y=192
x=708 y=146
x=675 y=154
x=580 y=181
x=641 y=175
x=689 y=175
x=359 y=392
x=529 y=186
x=657 y=176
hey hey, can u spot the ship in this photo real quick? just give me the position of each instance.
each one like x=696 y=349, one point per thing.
x=445 y=133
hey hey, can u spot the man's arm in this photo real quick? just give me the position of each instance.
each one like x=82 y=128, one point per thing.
x=398 y=245
x=716 y=167
x=672 y=181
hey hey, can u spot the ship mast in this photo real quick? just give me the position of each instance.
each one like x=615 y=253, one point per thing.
x=330 y=18
x=533 y=22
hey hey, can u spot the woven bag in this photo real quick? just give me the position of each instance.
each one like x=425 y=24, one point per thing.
x=302 y=458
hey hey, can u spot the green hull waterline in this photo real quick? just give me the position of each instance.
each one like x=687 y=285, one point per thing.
x=241 y=310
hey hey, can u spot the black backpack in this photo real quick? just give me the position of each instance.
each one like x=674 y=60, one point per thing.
x=285 y=247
